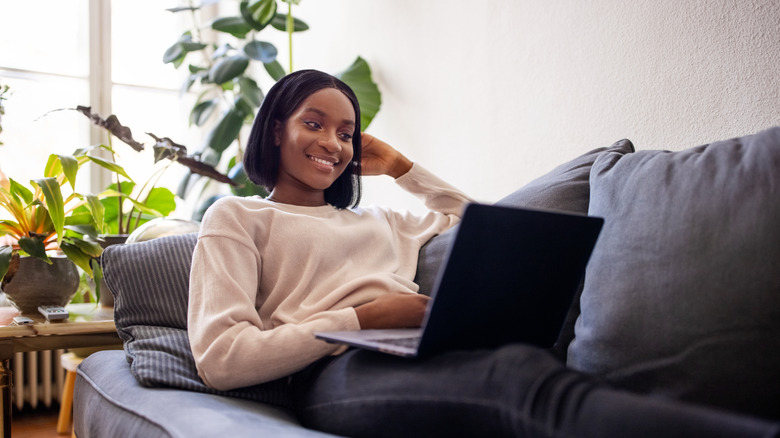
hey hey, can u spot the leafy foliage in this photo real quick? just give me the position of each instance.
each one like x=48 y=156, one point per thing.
x=222 y=76
x=41 y=214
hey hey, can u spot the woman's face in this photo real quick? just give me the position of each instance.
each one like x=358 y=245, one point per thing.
x=316 y=147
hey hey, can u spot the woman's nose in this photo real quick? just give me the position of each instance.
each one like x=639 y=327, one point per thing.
x=331 y=143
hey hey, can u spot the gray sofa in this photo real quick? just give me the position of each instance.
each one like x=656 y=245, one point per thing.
x=677 y=321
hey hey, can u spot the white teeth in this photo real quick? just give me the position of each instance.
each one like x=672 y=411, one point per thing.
x=321 y=161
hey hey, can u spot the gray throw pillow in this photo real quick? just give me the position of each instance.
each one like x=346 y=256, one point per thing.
x=150 y=283
x=565 y=188
x=682 y=293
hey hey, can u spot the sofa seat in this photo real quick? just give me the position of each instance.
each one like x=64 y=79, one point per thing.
x=116 y=405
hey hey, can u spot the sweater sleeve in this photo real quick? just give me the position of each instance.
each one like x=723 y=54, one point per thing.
x=437 y=194
x=232 y=346
x=446 y=205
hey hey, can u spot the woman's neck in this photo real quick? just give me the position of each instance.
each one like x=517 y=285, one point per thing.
x=307 y=199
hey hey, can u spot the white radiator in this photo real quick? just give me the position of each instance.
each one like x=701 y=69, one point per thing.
x=38 y=378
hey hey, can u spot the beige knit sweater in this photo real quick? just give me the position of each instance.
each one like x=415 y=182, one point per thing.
x=266 y=276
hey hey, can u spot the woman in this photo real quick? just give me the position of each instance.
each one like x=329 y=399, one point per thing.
x=272 y=271
x=268 y=273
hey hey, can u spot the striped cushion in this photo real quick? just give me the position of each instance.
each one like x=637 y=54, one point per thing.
x=150 y=284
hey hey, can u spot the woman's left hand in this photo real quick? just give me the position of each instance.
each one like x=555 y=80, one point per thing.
x=379 y=158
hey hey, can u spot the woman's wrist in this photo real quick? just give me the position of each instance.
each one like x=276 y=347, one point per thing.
x=401 y=166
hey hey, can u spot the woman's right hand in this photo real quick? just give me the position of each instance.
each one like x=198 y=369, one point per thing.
x=399 y=310
x=379 y=158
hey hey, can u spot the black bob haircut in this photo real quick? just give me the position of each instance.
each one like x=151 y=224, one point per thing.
x=261 y=158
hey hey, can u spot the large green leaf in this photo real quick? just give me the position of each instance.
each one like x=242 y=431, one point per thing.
x=228 y=68
x=96 y=209
x=358 y=77
x=235 y=26
x=245 y=186
x=111 y=200
x=88 y=247
x=275 y=69
x=244 y=106
x=247 y=16
x=262 y=11
x=250 y=90
x=176 y=53
x=35 y=247
x=17 y=190
x=9 y=227
x=161 y=200
x=77 y=256
x=158 y=203
x=202 y=111
x=110 y=165
x=279 y=22
x=67 y=164
x=97 y=276
x=226 y=130
x=261 y=51
x=6 y=252
x=54 y=203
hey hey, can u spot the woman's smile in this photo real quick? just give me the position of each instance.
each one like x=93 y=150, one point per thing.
x=327 y=164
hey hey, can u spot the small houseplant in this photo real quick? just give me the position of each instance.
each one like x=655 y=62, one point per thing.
x=41 y=224
x=128 y=205
x=50 y=216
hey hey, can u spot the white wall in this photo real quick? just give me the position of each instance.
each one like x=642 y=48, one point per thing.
x=491 y=94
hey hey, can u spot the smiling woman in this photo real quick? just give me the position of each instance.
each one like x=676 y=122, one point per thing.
x=315 y=147
x=317 y=115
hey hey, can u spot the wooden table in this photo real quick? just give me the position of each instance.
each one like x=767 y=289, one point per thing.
x=88 y=326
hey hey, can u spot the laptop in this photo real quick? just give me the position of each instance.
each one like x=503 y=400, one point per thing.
x=510 y=276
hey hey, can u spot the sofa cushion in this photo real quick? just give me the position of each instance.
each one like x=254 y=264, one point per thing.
x=565 y=188
x=110 y=402
x=682 y=293
x=150 y=284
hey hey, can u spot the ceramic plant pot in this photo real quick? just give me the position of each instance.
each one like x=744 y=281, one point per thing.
x=38 y=283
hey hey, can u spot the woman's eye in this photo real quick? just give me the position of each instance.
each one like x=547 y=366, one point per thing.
x=345 y=136
x=313 y=125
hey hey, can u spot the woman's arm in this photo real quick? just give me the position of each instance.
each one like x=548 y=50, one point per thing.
x=379 y=158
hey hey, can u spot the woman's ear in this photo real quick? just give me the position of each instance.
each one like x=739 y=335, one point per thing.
x=277 y=133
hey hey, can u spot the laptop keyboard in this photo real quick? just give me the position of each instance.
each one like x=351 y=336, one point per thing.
x=402 y=342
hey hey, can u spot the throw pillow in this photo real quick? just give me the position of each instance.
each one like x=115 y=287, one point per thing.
x=150 y=283
x=682 y=293
x=564 y=188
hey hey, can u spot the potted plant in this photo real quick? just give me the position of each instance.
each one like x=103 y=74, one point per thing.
x=42 y=241
x=52 y=225
x=127 y=205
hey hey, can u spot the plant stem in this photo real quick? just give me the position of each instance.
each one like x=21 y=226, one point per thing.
x=118 y=189
x=290 y=25
x=156 y=177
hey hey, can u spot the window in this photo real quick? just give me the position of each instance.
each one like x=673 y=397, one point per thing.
x=99 y=53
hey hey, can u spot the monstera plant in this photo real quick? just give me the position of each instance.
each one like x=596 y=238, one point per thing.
x=221 y=71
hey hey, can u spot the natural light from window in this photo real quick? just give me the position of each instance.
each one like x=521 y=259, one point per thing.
x=45 y=60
